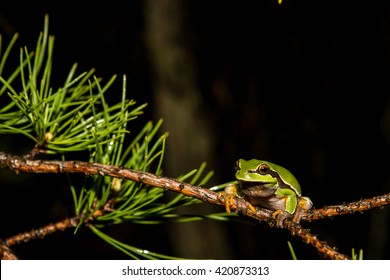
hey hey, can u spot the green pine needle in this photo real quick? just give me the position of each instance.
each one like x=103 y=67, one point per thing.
x=77 y=117
x=71 y=118
x=290 y=247
x=129 y=250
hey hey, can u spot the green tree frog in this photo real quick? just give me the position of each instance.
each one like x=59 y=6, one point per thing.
x=262 y=183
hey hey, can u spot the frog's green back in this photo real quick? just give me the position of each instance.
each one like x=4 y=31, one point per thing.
x=286 y=176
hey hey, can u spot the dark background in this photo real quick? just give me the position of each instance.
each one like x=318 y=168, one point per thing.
x=304 y=84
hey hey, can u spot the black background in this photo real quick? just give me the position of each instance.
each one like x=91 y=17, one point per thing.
x=307 y=87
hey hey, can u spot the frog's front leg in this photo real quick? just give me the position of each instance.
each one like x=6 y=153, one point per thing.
x=229 y=194
x=287 y=206
x=232 y=191
x=279 y=216
x=294 y=206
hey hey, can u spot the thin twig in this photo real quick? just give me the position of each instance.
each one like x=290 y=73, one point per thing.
x=52 y=228
x=41 y=232
x=348 y=208
x=6 y=253
x=310 y=238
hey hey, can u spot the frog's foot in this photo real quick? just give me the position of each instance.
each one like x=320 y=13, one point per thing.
x=280 y=216
x=228 y=201
x=251 y=207
x=229 y=194
x=303 y=205
x=240 y=208
x=298 y=215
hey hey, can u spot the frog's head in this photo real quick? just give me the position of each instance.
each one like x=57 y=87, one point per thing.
x=265 y=173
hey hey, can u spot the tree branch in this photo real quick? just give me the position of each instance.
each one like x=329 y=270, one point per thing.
x=348 y=208
x=22 y=164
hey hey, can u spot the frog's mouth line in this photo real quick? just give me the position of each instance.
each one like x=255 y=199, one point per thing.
x=263 y=185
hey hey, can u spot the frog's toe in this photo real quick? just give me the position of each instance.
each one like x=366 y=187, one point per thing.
x=303 y=205
x=298 y=215
x=251 y=207
x=228 y=201
x=279 y=216
x=229 y=194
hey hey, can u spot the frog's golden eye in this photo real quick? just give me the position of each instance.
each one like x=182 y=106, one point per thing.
x=237 y=165
x=263 y=169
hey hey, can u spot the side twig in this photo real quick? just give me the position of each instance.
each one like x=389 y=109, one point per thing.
x=6 y=253
x=41 y=232
x=52 y=228
x=310 y=238
x=349 y=208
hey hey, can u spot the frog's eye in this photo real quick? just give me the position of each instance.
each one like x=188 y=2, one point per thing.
x=237 y=165
x=263 y=169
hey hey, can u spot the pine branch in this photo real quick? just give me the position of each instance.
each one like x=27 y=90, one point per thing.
x=309 y=238
x=349 y=208
x=6 y=253
x=42 y=232
x=21 y=164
